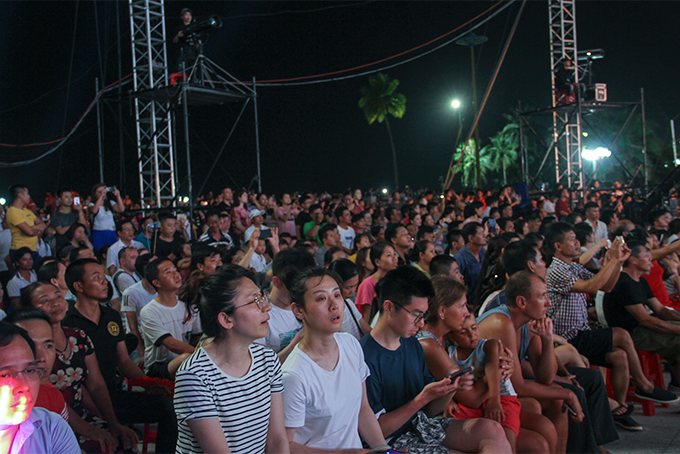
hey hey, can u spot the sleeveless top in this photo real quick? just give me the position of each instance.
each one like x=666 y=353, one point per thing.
x=503 y=309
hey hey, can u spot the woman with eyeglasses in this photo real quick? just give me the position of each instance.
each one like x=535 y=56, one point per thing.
x=228 y=392
x=324 y=399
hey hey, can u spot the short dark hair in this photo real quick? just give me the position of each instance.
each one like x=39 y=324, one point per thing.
x=503 y=223
x=340 y=210
x=199 y=253
x=519 y=284
x=636 y=248
x=441 y=265
x=120 y=224
x=419 y=248
x=606 y=216
x=556 y=234
x=151 y=269
x=470 y=229
x=123 y=252
x=17 y=189
x=378 y=249
x=323 y=231
x=391 y=231
x=21 y=252
x=9 y=331
x=76 y=271
x=424 y=230
x=27 y=313
x=402 y=284
x=328 y=255
x=299 y=286
x=345 y=268
x=357 y=217
x=516 y=256
x=289 y=262
x=48 y=271
x=142 y=261
x=589 y=205
x=75 y=252
x=582 y=231
x=165 y=215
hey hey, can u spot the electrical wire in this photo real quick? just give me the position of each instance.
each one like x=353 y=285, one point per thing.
x=279 y=13
x=281 y=82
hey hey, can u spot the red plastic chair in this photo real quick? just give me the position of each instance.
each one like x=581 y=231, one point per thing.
x=147 y=383
x=651 y=367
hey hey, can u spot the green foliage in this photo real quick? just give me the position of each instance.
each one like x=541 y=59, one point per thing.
x=503 y=148
x=379 y=99
x=469 y=163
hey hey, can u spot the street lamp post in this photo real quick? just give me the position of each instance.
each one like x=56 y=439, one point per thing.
x=471 y=40
x=456 y=105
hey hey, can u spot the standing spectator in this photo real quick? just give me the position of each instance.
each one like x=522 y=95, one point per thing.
x=347 y=234
x=562 y=205
x=285 y=215
x=303 y=216
x=145 y=232
x=227 y=200
x=126 y=233
x=256 y=218
x=593 y=218
x=330 y=238
x=239 y=213
x=167 y=243
x=64 y=217
x=101 y=211
x=228 y=392
x=23 y=264
x=471 y=257
x=24 y=225
x=215 y=235
x=311 y=229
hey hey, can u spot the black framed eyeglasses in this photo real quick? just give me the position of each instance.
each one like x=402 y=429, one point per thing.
x=259 y=301
x=416 y=317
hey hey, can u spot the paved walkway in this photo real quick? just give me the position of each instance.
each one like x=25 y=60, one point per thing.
x=661 y=433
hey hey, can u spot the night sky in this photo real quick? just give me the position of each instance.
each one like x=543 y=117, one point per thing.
x=313 y=137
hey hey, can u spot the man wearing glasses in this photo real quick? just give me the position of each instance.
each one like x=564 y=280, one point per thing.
x=401 y=391
x=23 y=427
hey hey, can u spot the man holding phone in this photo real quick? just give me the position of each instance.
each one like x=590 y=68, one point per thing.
x=256 y=217
x=66 y=216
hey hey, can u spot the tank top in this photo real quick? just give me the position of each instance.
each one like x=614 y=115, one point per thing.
x=503 y=309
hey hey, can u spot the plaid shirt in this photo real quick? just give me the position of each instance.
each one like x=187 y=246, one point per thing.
x=569 y=310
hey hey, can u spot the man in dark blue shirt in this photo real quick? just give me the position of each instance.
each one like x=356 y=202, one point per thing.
x=471 y=257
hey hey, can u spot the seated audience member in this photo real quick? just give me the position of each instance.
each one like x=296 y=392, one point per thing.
x=166 y=325
x=324 y=361
x=471 y=257
x=285 y=215
x=455 y=242
x=422 y=254
x=589 y=248
x=101 y=213
x=228 y=392
x=38 y=326
x=494 y=397
x=363 y=263
x=310 y=230
x=64 y=217
x=284 y=328
x=23 y=264
x=445 y=265
x=492 y=275
x=401 y=391
x=126 y=275
x=167 y=242
x=568 y=283
x=134 y=298
x=401 y=241
x=215 y=236
x=353 y=322
x=145 y=232
x=628 y=304
x=330 y=238
x=103 y=326
x=76 y=354
x=384 y=258
x=25 y=428
x=53 y=273
x=205 y=259
x=126 y=233
x=258 y=260
x=333 y=254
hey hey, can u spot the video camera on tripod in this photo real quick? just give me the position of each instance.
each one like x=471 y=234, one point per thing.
x=206 y=25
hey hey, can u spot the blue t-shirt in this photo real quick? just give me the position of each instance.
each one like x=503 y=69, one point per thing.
x=397 y=377
x=470 y=268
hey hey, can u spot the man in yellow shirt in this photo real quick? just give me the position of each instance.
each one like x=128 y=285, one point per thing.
x=26 y=228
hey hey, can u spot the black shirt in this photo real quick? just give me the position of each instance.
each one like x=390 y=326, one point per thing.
x=302 y=218
x=105 y=337
x=626 y=293
x=163 y=248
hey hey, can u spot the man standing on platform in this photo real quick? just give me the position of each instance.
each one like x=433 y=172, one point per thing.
x=188 y=52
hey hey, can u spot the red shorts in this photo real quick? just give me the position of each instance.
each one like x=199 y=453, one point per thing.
x=511 y=408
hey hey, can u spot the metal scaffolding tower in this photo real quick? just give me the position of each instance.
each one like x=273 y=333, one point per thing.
x=153 y=119
x=566 y=122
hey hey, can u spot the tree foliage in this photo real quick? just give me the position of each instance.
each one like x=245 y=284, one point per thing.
x=469 y=163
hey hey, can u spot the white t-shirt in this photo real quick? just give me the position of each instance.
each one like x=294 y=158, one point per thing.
x=347 y=237
x=103 y=220
x=112 y=253
x=17 y=282
x=242 y=405
x=134 y=299
x=158 y=322
x=323 y=406
x=258 y=262
x=348 y=323
x=283 y=326
x=549 y=207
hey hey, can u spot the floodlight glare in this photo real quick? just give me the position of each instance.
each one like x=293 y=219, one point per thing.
x=3 y=200
x=384 y=191
x=594 y=155
x=185 y=199
x=455 y=104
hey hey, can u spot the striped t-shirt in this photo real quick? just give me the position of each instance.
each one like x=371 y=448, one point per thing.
x=203 y=390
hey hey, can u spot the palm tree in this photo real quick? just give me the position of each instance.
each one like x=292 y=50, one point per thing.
x=503 y=148
x=379 y=99
x=469 y=163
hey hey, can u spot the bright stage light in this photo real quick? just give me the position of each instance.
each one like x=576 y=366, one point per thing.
x=3 y=200
x=384 y=191
x=455 y=104
x=185 y=199
x=594 y=155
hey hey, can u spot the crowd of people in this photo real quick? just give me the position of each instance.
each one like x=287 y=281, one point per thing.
x=415 y=321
